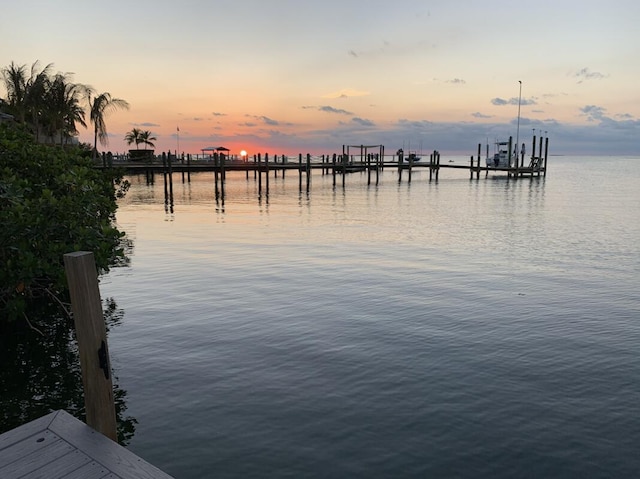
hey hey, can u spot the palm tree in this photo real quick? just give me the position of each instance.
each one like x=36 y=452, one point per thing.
x=147 y=139
x=98 y=109
x=26 y=92
x=15 y=82
x=133 y=136
x=63 y=108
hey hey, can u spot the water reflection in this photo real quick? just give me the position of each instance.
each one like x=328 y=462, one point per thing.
x=41 y=371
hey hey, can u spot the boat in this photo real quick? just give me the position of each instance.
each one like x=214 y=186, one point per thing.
x=410 y=156
x=501 y=157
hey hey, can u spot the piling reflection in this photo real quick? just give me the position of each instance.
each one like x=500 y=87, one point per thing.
x=41 y=371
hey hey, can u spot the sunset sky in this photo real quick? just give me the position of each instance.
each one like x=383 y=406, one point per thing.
x=293 y=76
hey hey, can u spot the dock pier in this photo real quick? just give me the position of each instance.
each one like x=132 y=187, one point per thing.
x=369 y=159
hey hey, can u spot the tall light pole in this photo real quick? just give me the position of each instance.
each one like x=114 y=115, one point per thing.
x=518 y=127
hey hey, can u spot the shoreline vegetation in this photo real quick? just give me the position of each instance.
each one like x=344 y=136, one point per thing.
x=53 y=201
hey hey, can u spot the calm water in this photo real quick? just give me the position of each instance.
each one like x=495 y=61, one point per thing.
x=479 y=329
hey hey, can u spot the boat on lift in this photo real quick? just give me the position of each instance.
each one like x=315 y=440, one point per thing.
x=500 y=157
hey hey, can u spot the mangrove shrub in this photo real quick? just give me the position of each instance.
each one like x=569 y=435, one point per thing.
x=52 y=201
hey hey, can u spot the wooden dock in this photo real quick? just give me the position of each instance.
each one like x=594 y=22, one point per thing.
x=59 y=446
x=337 y=165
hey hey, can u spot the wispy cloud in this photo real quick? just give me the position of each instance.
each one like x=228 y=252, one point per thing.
x=362 y=122
x=328 y=109
x=513 y=101
x=477 y=114
x=346 y=93
x=215 y=113
x=265 y=120
x=593 y=112
x=586 y=74
x=146 y=124
x=456 y=81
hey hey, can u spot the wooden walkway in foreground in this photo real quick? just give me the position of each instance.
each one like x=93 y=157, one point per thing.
x=59 y=446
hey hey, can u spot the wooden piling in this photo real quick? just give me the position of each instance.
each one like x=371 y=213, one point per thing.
x=266 y=171
x=308 y=171
x=223 y=176
x=546 y=153
x=164 y=175
x=471 y=168
x=300 y=171
x=333 y=169
x=91 y=334
x=169 y=162
x=259 y=174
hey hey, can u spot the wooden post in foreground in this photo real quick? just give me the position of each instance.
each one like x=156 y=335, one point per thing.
x=92 y=342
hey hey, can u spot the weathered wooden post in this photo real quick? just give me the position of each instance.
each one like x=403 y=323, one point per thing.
x=170 y=178
x=333 y=165
x=188 y=167
x=308 y=171
x=91 y=334
x=300 y=171
x=266 y=171
x=223 y=176
x=284 y=168
x=164 y=175
x=259 y=168
x=437 y=154
x=546 y=153
x=345 y=159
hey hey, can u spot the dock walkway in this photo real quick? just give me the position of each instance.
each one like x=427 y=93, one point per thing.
x=59 y=446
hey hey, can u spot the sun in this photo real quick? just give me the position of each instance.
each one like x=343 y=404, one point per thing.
x=243 y=153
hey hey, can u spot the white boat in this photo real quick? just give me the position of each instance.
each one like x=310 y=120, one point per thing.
x=500 y=158
x=411 y=156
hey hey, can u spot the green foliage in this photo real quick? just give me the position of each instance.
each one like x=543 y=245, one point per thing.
x=52 y=201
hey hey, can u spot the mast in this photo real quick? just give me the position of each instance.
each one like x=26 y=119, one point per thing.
x=518 y=127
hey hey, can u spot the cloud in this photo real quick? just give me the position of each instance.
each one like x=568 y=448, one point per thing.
x=593 y=112
x=362 y=122
x=346 y=93
x=513 y=101
x=266 y=121
x=218 y=114
x=480 y=115
x=330 y=109
x=456 y=81
x=352 y=53
x=146 y=124
x=586 y=74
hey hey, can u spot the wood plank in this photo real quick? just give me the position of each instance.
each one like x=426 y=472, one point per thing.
x=9 y=438
x=24 y=464
x=92 y=470
x=116 y=458
x=59 y=446
x=61 y=467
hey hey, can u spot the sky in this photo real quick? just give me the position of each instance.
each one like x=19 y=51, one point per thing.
x=306 y=76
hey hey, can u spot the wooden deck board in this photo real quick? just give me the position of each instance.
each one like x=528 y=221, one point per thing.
x=59 y=446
